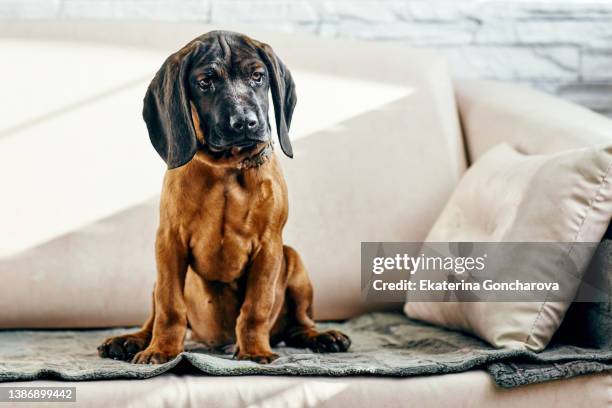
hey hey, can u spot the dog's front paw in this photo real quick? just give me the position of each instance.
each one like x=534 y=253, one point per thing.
x=265 y=357
x=123 y=347
x=152 y=355
x=330 y=341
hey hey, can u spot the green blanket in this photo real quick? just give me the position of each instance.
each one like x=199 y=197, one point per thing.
x=384 y=344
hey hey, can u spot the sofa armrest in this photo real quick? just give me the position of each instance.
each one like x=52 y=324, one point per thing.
x=533 y=122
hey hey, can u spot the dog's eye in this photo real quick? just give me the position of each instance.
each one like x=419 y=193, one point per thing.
x=205 y=83
x=257 y=77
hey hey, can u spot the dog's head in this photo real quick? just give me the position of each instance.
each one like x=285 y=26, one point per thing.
x=212 y=96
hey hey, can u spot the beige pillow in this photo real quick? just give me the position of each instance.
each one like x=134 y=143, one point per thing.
x=509 y=197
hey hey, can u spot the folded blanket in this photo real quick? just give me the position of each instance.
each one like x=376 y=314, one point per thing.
x=384 y=344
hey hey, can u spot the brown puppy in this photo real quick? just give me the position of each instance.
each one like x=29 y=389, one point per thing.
x=222 y=268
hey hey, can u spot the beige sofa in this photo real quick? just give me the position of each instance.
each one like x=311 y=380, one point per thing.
x=382 y=136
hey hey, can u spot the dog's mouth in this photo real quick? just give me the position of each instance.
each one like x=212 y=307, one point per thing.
x=233 y=149
x=246 y=144
x=240 y=148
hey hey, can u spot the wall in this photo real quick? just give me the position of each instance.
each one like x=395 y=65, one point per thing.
x=562 y=47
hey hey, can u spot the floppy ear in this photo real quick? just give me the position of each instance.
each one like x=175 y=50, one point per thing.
x=284 y=97
x=167 y=111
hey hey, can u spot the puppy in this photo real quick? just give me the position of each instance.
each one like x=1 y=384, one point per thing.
x=222 y=268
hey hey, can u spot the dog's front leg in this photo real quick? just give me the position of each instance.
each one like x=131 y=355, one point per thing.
x=255 y=319
x=170 y=322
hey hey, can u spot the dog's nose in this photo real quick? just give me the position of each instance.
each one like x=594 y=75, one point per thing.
x=243 y=122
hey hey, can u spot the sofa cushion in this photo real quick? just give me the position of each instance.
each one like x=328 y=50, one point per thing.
x=472 y=388
x=82 y=182
x=510 y=197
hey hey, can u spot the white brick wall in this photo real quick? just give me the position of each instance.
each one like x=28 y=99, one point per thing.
x=563 y=47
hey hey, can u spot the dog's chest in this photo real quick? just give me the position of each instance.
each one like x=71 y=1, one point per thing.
x=232 y=222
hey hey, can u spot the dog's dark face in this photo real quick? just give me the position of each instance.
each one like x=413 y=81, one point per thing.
x=229 y=87
x=212 y=96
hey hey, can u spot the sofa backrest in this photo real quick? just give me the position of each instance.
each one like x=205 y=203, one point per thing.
x=532 y=121
x=377 y=145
